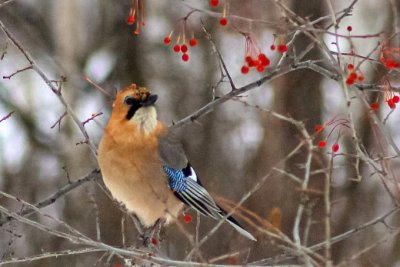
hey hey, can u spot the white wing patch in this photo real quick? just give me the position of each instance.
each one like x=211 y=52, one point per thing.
x=193 y=175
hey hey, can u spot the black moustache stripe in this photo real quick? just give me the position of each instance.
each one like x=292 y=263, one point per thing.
x=132 y=110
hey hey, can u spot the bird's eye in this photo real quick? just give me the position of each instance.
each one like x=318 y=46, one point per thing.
x=129 y=100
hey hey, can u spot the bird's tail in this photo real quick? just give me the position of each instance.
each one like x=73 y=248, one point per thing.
x=239 y=228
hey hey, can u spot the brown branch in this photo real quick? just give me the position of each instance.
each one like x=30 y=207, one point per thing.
x=6 y=116
x=362 y=36
x=269 y=77
x=94 y=115
x=59 y=121
x=16 y=72
x=98 y=87
x=4 y=51
x=221 y=60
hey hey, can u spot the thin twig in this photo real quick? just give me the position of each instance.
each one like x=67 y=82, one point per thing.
x=221 y=60
x=6 y=116
x=16 y=72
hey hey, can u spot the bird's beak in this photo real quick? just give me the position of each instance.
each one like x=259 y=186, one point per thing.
x=150 y=100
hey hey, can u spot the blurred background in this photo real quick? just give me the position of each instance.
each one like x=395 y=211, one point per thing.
x=232 y=148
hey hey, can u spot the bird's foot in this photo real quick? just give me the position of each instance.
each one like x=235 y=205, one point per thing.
x=151 y=235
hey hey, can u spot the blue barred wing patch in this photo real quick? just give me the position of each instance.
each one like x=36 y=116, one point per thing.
x=176 y=179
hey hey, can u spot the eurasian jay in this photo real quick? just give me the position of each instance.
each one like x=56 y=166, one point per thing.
x=144 y=165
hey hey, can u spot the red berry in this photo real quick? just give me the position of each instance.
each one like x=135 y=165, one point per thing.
x=223 y=21
x=248 y=59
x=335 y=147
x=349 y=28
x=396 y=99
x=130 y=20
x=282 y=48
x=350 y=67
x=154 y=241
x=360 y=78
x=273 y=47
x=318 y=128
x=214 y=2
x=374 y=106
x=245 y=69
x=187 y=218
x=322 y=144
x=391 y=103
x=260 y=68
x=185 y=57
x=167 y=40
x=352 y=76
x=177 y=48
x=184 y=48
x=349 y=81
x=193 y=42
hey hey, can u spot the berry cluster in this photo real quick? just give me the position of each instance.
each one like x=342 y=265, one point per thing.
x=389 y=63
x=254 y=58
x=260 y=63
x=353 y=75
x=334 y=123
x=181 y=45
x=282 y=47
x=390 y=97
x=389 y=57
x=334 y=148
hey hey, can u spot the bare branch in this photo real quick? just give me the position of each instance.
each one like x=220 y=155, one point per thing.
x=6 y=116
x=16 y=72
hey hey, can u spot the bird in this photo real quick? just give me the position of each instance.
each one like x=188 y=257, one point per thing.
x=144 y=165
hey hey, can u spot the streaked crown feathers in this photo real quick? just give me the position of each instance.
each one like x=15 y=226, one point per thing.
x=138 y=93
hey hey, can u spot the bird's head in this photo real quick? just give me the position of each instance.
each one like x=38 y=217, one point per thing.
x=136 y=105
